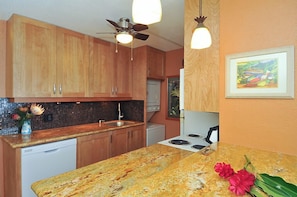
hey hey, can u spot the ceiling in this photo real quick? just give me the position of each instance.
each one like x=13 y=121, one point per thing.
x=89 y=17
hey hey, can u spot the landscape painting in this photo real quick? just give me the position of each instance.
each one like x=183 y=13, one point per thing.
x=267 y=73
x=257 y=74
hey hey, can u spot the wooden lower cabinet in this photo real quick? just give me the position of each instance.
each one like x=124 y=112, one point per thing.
x=119 y=142
x=93 y=148
x=101 y=146
x=135 y=137
x=125 y=140
x=11 y=171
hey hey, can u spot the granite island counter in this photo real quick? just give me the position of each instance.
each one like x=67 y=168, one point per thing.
x=160 y=170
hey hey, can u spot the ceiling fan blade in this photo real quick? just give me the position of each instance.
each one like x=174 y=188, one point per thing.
x=113 y=23
x=139 y=27
x=141 y=36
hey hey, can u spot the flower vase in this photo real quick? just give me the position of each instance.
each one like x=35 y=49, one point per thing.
x=26 y=128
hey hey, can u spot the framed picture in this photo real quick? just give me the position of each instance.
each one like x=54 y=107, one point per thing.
x=261 y=74
x=173 y=97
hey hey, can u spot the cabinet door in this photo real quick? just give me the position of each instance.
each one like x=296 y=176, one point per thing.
x=2 y=65
x=101 y=68
x=136 y=137
x=93 y=148
x=31 y=57
x=123 y=72
x=119 y=142
x=72 y=63
x=156 y=64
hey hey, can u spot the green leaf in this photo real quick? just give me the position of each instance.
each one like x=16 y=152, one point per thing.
x=276 y=186
x=256 y=192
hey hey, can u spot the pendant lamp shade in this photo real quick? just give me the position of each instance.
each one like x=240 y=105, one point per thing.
x=124 y=37
x=146 y=11
x=201 y=37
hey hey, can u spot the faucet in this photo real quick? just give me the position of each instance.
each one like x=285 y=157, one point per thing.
x=119 y=110
x=100 y=122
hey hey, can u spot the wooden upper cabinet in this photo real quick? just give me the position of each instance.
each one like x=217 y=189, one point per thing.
x=155 y=64
x=2 y=62
x=44 y=60
x=122 y=83
x=101 y=68
x=139 y=65
x=202 y=66
x=72 y=63
x=31 y=58
x=110 y=71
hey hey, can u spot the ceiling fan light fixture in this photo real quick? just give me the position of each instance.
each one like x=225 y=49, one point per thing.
x=146 y=11
x=124 y=37
x=201 y=37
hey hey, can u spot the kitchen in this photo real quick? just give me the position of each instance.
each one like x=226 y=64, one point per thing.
x=235 y=112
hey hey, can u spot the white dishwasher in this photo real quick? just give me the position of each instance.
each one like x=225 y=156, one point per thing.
x=46 y=160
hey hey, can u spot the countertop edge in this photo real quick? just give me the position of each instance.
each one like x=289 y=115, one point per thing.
x=58 y=134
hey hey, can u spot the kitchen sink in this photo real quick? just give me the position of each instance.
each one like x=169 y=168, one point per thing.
x=118 y=123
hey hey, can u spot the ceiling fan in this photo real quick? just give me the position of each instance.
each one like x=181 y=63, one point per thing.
x=126 y=31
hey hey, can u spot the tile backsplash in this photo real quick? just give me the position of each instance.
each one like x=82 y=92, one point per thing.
x=67 y=114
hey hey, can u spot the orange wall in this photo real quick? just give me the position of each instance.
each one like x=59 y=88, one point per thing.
x=249 y=25
x=173 y=64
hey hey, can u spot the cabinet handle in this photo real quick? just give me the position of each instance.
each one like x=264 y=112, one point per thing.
x=116 y=90
x=54 y=88
x=60 y=89
x=112 y=91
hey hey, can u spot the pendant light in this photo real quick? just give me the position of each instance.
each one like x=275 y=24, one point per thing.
x=146 y=11
x=201 y=37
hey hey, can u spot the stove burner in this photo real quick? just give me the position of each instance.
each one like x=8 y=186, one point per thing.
x=198 y=146
x=194 y=135
x=179 y=142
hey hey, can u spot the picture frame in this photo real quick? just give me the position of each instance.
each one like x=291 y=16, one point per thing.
x=173 y=111
x=265 y=73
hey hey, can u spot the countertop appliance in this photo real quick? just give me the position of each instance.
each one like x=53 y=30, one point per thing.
x=154 y=133
x=197 y=129
x=46 y=160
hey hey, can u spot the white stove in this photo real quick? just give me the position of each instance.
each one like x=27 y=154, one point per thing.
x=193 y=142
x=190 y=143
x=196 y=128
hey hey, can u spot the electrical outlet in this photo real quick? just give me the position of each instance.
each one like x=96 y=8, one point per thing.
x=48 y=117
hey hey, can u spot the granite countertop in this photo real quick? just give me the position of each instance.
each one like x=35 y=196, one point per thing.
x=110 y=177
x=160 y=170
x=63 y=133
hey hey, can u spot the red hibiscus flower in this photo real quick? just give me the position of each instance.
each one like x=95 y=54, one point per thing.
x=224 y=170
x=241 y=182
